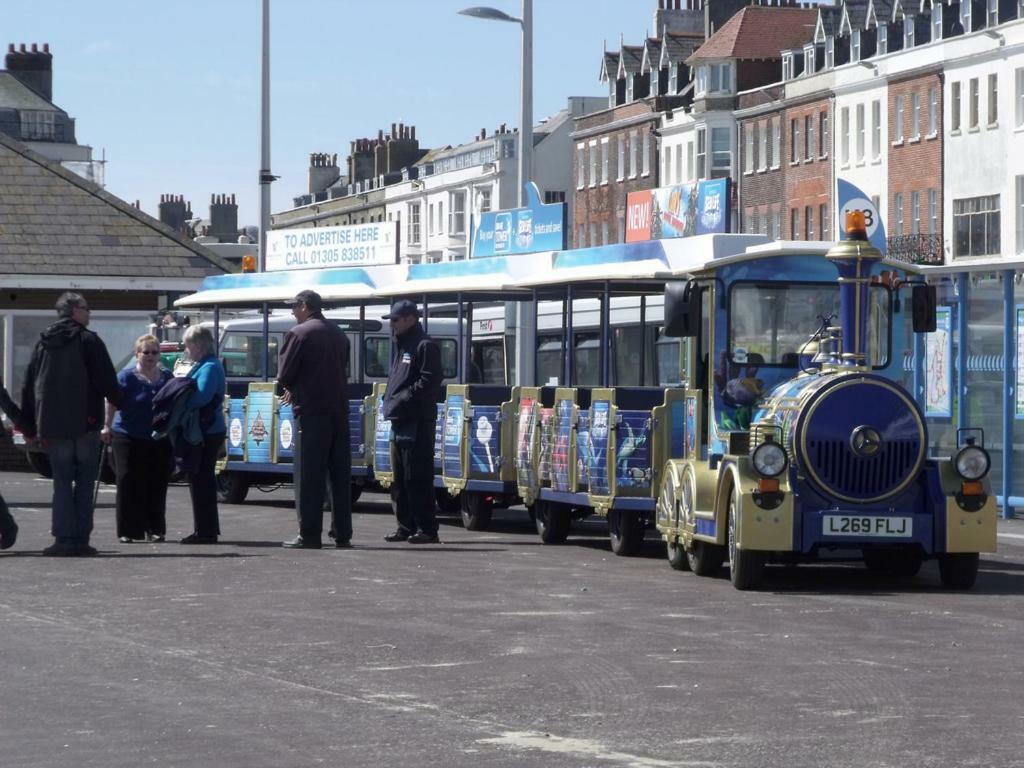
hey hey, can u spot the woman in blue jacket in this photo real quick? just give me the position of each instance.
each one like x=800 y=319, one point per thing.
x=208 y=399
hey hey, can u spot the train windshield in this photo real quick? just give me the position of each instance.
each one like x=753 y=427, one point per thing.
x=772 y=321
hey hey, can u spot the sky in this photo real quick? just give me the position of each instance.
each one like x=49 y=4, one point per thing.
x=169 y=92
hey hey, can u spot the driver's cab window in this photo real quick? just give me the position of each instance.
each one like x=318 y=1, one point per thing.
x=242 y=354
x=376 y=357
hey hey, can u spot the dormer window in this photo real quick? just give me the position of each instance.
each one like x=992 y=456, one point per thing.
x=883 y=39
x=653 y=88
x=673 y=78
x=830 y=52
x=611 y=93
x=965 y=15
x=855 y=46
x=809 y=60
x=936 y=22
x=787 y=67
x=629 y=88
x=714 y=79
x=993 y=13
x=908 y=32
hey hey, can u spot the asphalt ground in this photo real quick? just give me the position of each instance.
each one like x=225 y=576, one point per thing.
x=489 y=649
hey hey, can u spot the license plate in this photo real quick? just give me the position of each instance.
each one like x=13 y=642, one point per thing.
x=867 y=525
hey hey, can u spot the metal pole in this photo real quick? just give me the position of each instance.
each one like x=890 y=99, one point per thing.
x=362 y=344
x=461 y=367
x=606 y=311
x=266 y=343
x=426 y=315
x=963 y=286
x=1009 y=380
x=570 y=340
x=265 y=176
x=643 y=340
x=469 y=342
x=526 y=326
x=216 y=330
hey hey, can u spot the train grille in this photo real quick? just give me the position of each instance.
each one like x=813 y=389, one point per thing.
x=863 y=478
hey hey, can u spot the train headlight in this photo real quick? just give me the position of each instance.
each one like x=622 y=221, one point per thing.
x=972 y=462
x=769 y=459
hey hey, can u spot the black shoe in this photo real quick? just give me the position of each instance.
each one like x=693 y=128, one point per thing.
x=399 y=535
x=424 y=538
x=59 y=550
x=300 y=543
x=8 y=537
x=343 y=545
x=84 y=550
x=195 y=538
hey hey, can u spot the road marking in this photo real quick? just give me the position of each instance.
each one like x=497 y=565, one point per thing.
x=584 y=748
x=544 y=613
x=1010 y=535
x=419 y=666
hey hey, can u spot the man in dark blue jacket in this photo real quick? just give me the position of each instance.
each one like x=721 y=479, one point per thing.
x=410 y=403
x=313 y=372
x=67 y=381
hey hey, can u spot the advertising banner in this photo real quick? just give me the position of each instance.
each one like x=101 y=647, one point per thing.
x=938 y=366
x=357 y=245
x=851 y=198
x=537 y=227
x=682 y=210
x=1019 y=391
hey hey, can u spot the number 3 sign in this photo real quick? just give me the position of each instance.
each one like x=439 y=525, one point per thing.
x=851 y=198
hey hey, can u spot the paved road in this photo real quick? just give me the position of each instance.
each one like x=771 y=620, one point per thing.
x=487 y=650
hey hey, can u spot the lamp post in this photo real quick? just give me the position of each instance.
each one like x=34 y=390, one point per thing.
x=525 y=320
x=266 y=177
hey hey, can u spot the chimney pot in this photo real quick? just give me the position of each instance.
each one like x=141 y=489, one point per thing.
x=35 y=48
x=10 y=47
x=46 y=47
x=412 y=132
x=23 y=48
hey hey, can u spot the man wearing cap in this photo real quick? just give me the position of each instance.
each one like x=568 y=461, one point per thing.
x=410 y=403
x=313 y=376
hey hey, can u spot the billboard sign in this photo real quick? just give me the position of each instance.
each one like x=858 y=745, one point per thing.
x=356 y=245
x=537 y=227
x=682 y=210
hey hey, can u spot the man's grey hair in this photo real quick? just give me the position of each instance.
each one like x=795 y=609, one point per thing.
x=69 y=302
x=201 y=337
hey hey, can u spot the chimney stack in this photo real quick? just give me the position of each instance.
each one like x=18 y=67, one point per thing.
x=224 y=218
x=174 y=212
x=32 y=68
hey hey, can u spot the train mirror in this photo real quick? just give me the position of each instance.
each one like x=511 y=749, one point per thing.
x=922 y=302
x=682 y=309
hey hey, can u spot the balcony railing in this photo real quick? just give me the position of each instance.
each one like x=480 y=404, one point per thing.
x=915 y=249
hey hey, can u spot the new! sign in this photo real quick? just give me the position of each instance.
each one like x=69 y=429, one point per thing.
x=682 y=210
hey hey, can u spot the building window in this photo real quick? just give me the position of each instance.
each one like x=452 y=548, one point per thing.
x=794 y=141
x=794 y=223
x=457 y=213
x=883 y=39
x=809 y=222
x=1020 y=214
x=993 y=13
x=593 y=234
x=714 y=79
x=672 y=78
x=484 y=199
x=552 y=196
x=965 y=16
x=933 y=212
x=666 y=171
x=620 y=169
x=809 y=137
x=679 y=164
x=936 y=22
x=823 y=222
x=876 y=130
x=933 y=111
x=414 y=224
x=915 y=213
x=604 y=160
x=770 y=224
x=777 y=219
x=776 y=142
x=844 y=136
x=830 y=52
x=762 y=155
x=633 y=136
x=897 y=204
x=440 y=218
x=976 y=226
x=604 y=233
x=702 y=152
x=581 y=237
x=861 y=133
x=915 y=116
x=629 y=91
x=897 y=123
x=37 y=125
x=689 y=161
x=954 y=107
x=908 y=32
x=581 y=166
x=823 y=134
x=748 y=148
x=972 y=117
x=646 y=162
x=993 y=99
x=787 y=67
x=721 y=153
x=593 y=163
x=430 y=219
x=855 y=46
x=1018 y=95
x=809 y=60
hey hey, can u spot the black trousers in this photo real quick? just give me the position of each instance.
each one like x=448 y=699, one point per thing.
x=412 y=492
x=202 y=487
x=323 y=457
x=141 y=468
x=7 y=523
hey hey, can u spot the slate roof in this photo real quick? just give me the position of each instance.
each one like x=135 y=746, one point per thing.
x=631 y=58
x=54 y=222
x=681 y=47
x=14 y=94
x=610 y=66
x=856 y=11
x=829 y=18
x=759 y=32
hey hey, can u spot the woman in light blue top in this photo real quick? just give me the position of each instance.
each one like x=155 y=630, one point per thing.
x=208 y=399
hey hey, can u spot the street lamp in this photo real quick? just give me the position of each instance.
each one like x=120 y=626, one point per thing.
x=525 y=317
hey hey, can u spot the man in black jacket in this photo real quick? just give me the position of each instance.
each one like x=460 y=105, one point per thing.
x=410 y=403
x=313 y=373
x=68 y=378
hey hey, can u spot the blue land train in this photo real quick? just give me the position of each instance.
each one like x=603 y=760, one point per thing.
x=800 y=437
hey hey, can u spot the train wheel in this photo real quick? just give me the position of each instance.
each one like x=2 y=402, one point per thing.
x=958 y=571
x=705 y=559
x=476 y=511
x=626 y=532
x=232 y=487
x=552 y=521
x=677 y=556
x=898 y=563
x=446 y=502
x=746 y=567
